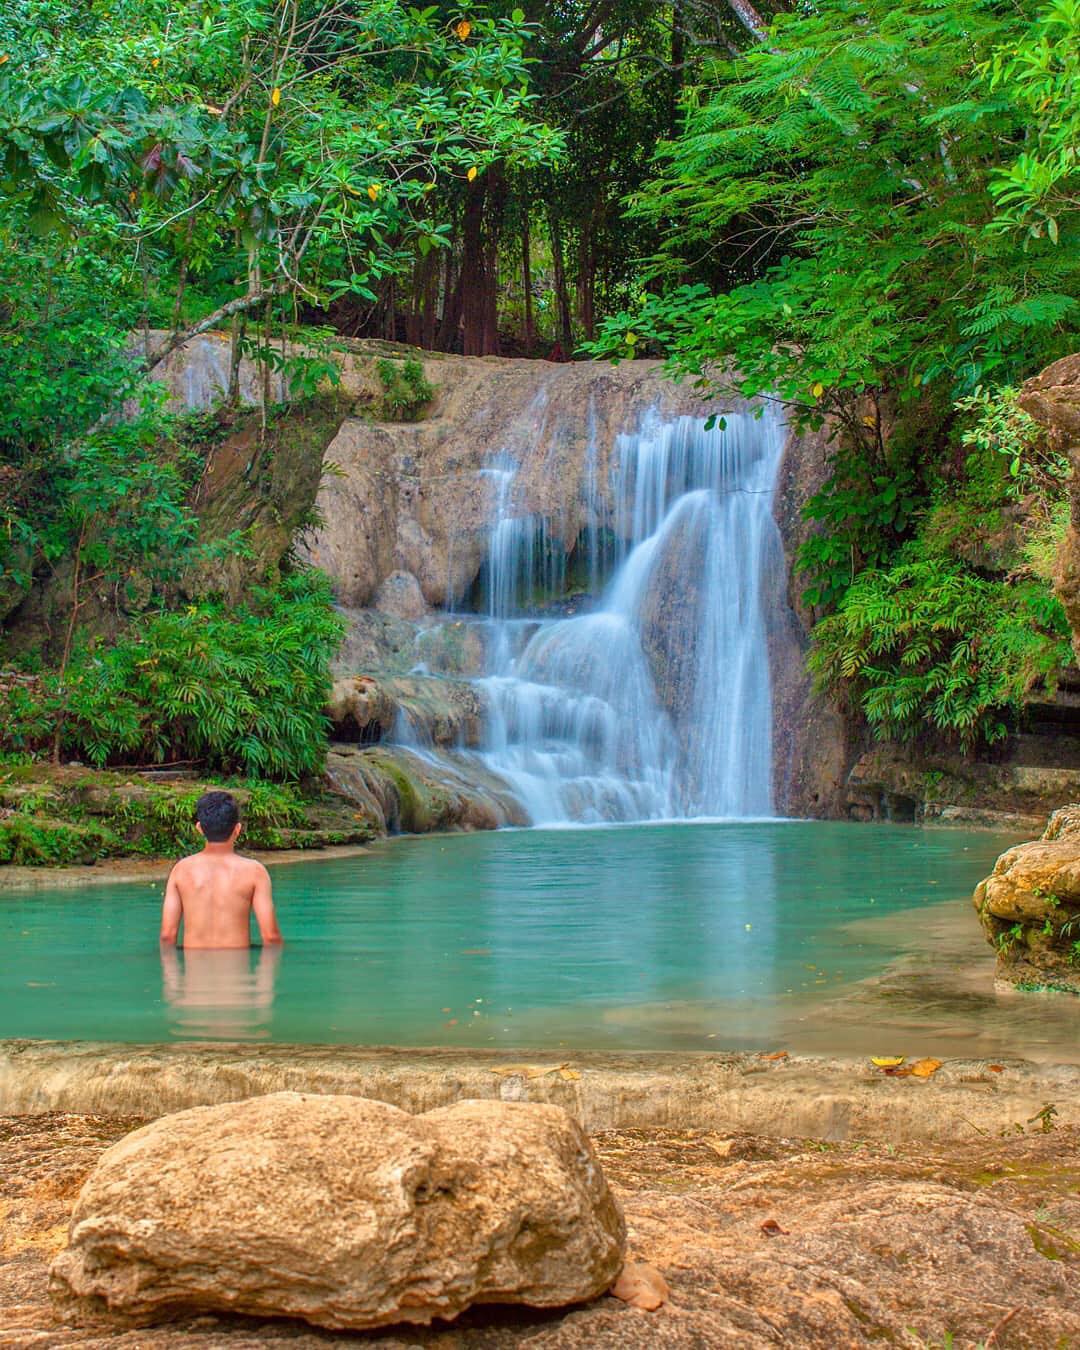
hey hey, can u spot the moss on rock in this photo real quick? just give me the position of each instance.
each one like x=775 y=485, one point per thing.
x=55 y=815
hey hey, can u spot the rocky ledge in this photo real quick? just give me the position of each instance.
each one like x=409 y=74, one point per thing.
x=763 y=1242
x=1030 y=908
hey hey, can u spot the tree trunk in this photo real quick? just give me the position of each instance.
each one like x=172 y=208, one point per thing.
x=586 y=282
x=750 y=19
x=526 y=283
x=446 y=340
x=562 y=298
x=429 y=320
x=493 y=221
x=239 y=326
x=473 y=271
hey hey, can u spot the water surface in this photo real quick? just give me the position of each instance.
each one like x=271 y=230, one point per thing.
x=809 y=935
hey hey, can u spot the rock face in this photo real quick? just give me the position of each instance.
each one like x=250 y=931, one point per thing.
x=400 y=791
x=345 y=1212
x=399 y=595
x=1053 y=399
x=1017 y=790
x=421 y=708
x=1030 y=907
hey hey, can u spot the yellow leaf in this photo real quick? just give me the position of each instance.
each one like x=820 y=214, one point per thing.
x=472 y=173
x=373 y=191
x=463 y=29
x=275 y=97
x=818 y=390
x=887 y=1061
x=429 y=187
x=925 y=1068
x=869 y=421
x=916 y=379
x=156 y=62
x=4 y=58
x=571 y=1075
x=631 y=338
x=419 y=123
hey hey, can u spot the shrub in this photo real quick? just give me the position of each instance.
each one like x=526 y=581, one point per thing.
x=406 y=390
x=240 y=690
x=29 y=840
x=928 y=643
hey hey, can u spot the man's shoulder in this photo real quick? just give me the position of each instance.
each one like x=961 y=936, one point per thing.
x=252 y=866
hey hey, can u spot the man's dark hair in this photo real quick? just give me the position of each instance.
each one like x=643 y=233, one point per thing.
x=217 y=813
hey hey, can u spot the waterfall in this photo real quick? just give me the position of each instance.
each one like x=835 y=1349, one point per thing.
x=657 y=704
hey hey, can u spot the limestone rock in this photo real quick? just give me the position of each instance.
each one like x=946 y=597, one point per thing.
x=1053 y=399
x=400 y=791
x=1030 y=906
x=343 y=1211
x=641 y=1286
x=428 y=710
x=400 y=596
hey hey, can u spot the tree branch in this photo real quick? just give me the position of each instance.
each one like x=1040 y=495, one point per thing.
x=240 y=305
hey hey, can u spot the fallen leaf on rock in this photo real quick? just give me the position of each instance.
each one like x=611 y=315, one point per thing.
x=996 y=1068
x=641 y=1286
x=571 y=1075
x=886 y=1061
x=776 y=1054
x=925 y=1068
x=772 y=1229
x=898 y=1072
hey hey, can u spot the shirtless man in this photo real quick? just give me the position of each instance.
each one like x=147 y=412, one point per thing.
x=215 y=892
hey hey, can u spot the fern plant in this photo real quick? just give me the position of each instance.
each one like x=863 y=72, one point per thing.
x=239 y=690
x=927 y=643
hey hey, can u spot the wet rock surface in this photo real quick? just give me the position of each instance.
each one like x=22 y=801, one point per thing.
x=396 y=790
x=342 y=1211
x=1030 y=907
x=910 y=1245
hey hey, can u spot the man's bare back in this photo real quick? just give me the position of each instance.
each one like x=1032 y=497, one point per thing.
x=215 y=892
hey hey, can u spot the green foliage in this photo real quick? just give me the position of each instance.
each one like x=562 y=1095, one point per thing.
x=1001 y=425
x=926 y=643
x=161 y=823
x=1042 y=72
x=241 y=690
x=90 y=816
x=406 y=390
x=852 y=155
x=28 y=840
x=863 y=514
x=297 y=139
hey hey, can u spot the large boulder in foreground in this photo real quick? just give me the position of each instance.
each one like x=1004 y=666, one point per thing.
x=1030 y=907
x=346 y=1212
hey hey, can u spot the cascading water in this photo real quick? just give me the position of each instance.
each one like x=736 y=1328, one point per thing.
x=657 y=704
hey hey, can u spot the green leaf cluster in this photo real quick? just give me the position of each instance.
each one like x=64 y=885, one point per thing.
x=240 y=690
x=406 y=390
x=927 y=643
x=857 y=158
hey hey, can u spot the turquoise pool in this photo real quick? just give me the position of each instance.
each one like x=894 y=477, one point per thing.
x=693 y=936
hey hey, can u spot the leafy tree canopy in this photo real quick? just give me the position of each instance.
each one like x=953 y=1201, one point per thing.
x=877 y=163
